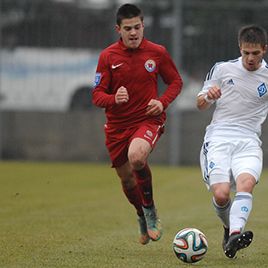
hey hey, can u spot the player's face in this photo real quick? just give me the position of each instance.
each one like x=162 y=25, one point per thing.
x=131 y=31
x=252 y=55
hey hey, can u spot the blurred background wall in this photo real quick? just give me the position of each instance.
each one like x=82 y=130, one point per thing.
x=48 y=55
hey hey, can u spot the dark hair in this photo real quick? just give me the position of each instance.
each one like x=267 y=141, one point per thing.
x=253 y=34
x=128 y=11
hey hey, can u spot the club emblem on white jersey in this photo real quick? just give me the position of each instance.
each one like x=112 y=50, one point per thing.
x=150 y=65
x=262 y=89
x=211 y=165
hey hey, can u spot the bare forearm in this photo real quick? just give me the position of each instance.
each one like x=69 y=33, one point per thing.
x=202 y=104
x=205 y=100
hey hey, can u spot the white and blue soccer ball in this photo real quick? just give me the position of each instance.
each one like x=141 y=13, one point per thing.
x=190 y=245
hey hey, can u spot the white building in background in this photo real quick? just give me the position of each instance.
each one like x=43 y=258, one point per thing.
x=46 y=79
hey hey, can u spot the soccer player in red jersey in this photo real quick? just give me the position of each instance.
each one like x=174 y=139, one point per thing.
x=126 y=86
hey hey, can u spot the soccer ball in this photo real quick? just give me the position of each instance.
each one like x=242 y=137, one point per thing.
x=190 y=245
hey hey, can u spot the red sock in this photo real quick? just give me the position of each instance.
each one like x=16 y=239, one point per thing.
x=134 y=197
x=144 y=180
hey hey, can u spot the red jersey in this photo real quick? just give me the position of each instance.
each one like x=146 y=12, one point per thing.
x=137 y=70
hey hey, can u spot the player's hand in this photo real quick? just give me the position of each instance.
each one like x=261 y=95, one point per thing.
x=121 y=96
x=154 y=107
x=214 y=93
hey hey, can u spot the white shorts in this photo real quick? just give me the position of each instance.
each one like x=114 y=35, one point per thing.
x=223 y=161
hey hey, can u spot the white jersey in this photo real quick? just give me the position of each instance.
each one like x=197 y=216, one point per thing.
x=243 y=105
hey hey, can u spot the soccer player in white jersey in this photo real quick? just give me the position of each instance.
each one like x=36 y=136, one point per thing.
x=231 y=155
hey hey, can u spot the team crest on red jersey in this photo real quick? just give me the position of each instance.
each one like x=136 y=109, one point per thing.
x=149 y=133
x=150 y=65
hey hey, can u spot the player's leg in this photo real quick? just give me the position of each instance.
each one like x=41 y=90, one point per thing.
x=247 y=167
x=117 y=144
x=221 y=201
x=242 y=203
x=142 y=143
x=138 y=153
x=239 y=213
x=215 y=166
x=132 y=193
x=222 y=204
x=130 y=186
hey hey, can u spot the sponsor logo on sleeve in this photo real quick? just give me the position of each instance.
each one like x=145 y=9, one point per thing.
x=97 y=79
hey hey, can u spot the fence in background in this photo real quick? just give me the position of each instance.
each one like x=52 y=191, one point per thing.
x=207 y=28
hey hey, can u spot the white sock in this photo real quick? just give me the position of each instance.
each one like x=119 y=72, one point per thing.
x=240 y=211
x=223 y=212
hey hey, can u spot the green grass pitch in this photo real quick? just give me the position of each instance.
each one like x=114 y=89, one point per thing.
x=75 y=215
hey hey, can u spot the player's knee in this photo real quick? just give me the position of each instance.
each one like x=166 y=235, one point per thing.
x=136 y=161
x=246 y=185
x=137 y=164
x=221 y=197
